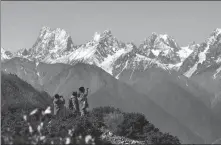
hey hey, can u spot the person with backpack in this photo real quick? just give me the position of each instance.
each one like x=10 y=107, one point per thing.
x=83 y=102
x=74 y=104
x=58 y=105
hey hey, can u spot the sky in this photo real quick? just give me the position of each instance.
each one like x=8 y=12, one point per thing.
x=129 y=21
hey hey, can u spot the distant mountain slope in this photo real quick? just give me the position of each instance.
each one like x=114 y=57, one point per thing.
x=124 y=97
x=212 y=83
x=15 y=93
x=66 y=79
x=187 y=105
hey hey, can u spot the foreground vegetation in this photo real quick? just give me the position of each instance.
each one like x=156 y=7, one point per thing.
x=18 y=128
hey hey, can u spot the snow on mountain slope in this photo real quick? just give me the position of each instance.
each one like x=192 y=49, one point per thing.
x=50 y=44
x=184 y=52
x=105 y=51
x=5 y=55
x=162 y=47
x=206 y=55
x=55 y=46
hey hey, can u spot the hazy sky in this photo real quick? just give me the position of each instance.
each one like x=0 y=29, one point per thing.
x=128 y=20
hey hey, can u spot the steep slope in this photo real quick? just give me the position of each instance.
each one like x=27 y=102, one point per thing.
x=33 y=72
x=50 y=45
x=203 y=66
x=204 y=56
x=211 y=82
x=15 y=93
x=101 y=51
x=162 y=47
x=184 y=52
x=158 y=51
x=187 y=105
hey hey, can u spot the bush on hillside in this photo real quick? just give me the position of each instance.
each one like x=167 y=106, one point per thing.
x=76 y=128
x=73 y=129
x=113 y=122
x=100 y=112
x=133 y=125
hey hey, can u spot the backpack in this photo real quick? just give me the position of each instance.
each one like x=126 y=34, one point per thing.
x=70 y=104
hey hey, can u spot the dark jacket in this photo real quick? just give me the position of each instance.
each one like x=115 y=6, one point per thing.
x=59 y=107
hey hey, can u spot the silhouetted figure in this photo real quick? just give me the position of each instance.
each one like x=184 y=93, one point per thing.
x=83 y=102
x=74 y=104
x=62 y=112
x=58 y=106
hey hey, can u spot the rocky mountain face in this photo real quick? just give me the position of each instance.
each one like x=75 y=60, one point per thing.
x=105 y=51
x=207 y=54
x=5 y=55
x=50 y=45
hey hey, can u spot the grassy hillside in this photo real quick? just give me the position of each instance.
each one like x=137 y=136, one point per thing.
x=15 y=93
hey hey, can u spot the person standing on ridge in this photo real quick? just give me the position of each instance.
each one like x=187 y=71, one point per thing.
x=74 y=104
x=62 y=112
x=83 y=102
x=58 y=105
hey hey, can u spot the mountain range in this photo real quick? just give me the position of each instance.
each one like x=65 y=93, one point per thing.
x=106 y=51
x=177 y=88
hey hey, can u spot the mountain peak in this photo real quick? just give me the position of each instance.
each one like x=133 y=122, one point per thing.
x=108 y=31
x=45 y=28
x=154 y=33
x=164 y=36
x=50 y=44
x=97 y=36
x=217 y=30
x=5 y=54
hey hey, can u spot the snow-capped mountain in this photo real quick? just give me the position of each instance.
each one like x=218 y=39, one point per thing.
x=105 y=51
x=184 y=52
x=114 y=56
x=157 y=51
x=101 y=51
x=50 y=45
x=205 y=55
x=162 y=47
x=5 y=55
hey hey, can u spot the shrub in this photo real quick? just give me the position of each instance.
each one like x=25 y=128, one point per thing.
x=164 y=138
x=132 y=126
x=15 y=129
x=100 y=112
x=113 y=121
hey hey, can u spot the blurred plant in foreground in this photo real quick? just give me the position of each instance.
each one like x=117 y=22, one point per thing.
x=38 y=121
